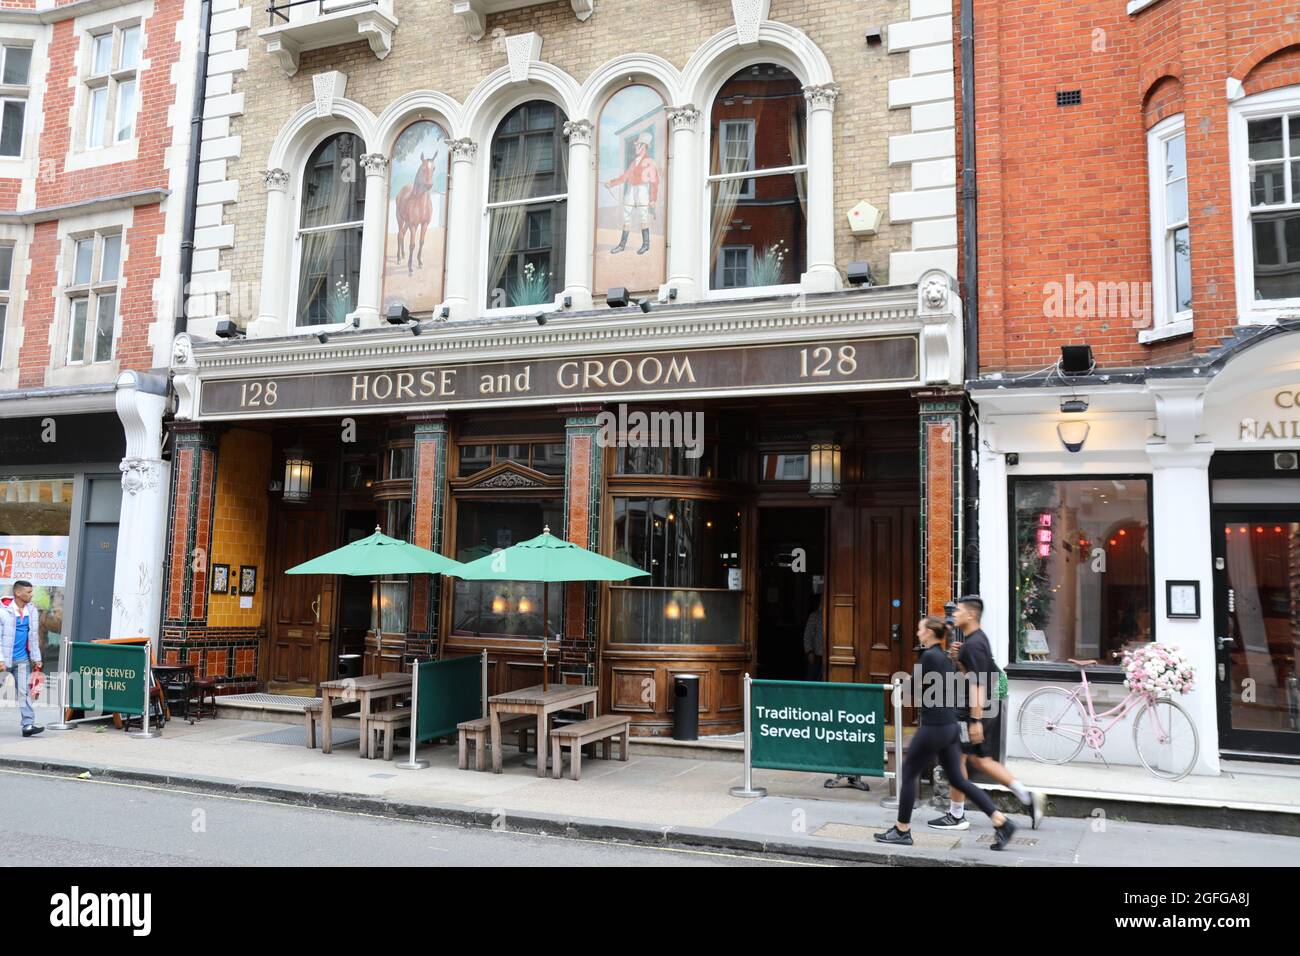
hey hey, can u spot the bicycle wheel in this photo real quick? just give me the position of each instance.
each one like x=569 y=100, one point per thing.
x=1165 y=738
x=1051 y=725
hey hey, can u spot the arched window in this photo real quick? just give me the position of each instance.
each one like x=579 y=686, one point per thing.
x=631 y=191
x=329 y=231
x=415 y=242
x=526 y=204
x=758 y=180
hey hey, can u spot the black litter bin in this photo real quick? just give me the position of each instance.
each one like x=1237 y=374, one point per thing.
x=686 y=707
x=349 y=665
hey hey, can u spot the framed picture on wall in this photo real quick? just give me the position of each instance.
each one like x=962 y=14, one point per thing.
x=247 y=579
x=220 y=578
x=1183 y=599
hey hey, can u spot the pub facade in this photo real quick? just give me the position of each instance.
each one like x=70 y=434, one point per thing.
x=676 y=284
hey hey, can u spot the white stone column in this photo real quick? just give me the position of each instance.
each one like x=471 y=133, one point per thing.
x=684 y=227
x=579 y=220
x=275 y=258
x=822 y=275
x=138 y=573
x=1180 y=499
x=460 y=293
x=370 y=284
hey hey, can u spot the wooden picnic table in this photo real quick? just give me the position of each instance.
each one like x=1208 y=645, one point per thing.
x=364 y=690
x=541 y=703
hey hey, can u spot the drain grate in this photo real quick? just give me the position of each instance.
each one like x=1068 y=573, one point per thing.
x=297 y=737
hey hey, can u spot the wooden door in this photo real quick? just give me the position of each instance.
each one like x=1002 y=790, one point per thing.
x=888 y=592
x=303 y=605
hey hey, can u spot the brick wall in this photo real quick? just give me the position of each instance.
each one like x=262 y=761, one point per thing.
x=1063 y=190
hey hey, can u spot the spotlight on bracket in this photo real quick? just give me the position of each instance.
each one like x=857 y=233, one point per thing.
x=444 y=312
x=858 y=273
x=874 y=36
x=227 y=329
x=398 y=315
x=1077 y=360
x=323 y=338
x=1074 y=405
x=617 y=298
x=415 y=328
x=540 y=318
x=643 y=304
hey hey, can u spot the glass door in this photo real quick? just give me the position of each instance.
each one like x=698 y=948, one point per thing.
x=1257 y=629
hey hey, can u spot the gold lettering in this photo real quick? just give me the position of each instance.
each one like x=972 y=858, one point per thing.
x=386 y=382
x=523 y=380
x=362 y=382
x=620 y=372
x=676 y=371
x=449 y=381
x=1289 y=399
x=404 y=382
x=485 y=385
x=428 y=385
x=566 y=376
x=591 y=373
x=645 y=379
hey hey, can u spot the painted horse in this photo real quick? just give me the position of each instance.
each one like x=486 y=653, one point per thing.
x=414 y=210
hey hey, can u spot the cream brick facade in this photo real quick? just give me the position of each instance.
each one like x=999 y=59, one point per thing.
x=891 y=90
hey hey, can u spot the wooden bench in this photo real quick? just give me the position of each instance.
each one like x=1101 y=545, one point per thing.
x=576 y=735
x=312 y=713
x=386 y=722
x=479 y=732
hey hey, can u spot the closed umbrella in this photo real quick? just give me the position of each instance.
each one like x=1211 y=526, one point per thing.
x=546 y=559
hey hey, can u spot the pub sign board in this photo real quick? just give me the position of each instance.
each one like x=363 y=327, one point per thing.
x=812 y=365
x=108 y=678
x=821 y=727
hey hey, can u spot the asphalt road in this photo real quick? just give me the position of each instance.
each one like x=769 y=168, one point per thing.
x=61 y=821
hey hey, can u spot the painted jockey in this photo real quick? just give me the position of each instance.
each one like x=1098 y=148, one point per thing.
x=640 y=184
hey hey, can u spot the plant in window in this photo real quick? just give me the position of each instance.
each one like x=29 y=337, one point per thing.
x=1034 y=592
x=768 y=266
x=533 y=287
x=340 y=305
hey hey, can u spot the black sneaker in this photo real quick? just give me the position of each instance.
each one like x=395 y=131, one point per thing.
x=894 y=836
x=1037 y=809
x=33 y=730
x=949 y=822
x=1002 y=835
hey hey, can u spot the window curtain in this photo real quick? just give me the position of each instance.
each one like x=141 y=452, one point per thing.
x=512 y=182
x=726 y=192
x=799 y=157
x=321 y=250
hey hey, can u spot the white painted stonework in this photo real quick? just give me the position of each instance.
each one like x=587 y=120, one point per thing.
x=929 y=149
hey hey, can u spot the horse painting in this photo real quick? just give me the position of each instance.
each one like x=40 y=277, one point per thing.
x=414 y=210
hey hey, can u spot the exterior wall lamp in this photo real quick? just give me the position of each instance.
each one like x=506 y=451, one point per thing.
x=1073 y=432
x=297 y=475
x=825 y=461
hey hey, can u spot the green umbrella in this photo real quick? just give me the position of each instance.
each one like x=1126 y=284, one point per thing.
x=378 y=555
x=546 y=559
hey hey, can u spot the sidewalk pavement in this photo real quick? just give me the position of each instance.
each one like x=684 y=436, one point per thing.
x=647 y=799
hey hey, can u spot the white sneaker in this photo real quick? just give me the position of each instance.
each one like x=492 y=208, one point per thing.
x=1037 y=809
x=949 y=822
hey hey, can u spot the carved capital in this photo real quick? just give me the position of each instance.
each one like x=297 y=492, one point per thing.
x=462 y=149
x=375 y=164
x=276 y=179
x=578 y=131
x=683 y=117
x=821 y=96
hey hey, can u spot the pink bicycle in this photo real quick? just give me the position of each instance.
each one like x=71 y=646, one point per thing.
x=1055 y=723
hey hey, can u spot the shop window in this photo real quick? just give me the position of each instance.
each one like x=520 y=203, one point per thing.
x=511 y=609
x=15 y=72
x=708 y=460
x=758 y=180
x=6 y=275
x=35 y=523
x=1171 y=254
x=527 y=196
x=546 y=457
x=400 y=462
x=692 y=552
x=1081 y=567
x=417 y=229
x=96 y=267
x=1273 y=145
x=112 y=85
x=329 y=231
x=785 y=466
x=631 y=191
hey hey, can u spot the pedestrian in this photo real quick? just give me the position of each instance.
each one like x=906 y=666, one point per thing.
x=938 y=737
x=814 y=642
x=20 y=649
x=983 y=717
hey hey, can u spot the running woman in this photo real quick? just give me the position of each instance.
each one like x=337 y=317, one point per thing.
x=975 y=660
x=938 y=737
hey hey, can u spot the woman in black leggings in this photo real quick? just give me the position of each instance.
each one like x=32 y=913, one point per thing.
x=938 y=737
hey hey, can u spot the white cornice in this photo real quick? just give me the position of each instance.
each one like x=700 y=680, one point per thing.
x=889 y=311
x=66 y=11
x=142 y=197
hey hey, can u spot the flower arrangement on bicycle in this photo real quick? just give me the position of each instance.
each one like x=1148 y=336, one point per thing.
x=1160 y=670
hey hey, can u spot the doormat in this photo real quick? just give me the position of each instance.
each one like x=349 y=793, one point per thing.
x=853 y=833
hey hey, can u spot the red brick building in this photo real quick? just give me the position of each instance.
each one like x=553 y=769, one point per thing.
x=1138 y=192
x=95 y=106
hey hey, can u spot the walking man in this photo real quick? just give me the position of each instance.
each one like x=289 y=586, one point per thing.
x=974 y=656
x=640 y=182
x=20 y=649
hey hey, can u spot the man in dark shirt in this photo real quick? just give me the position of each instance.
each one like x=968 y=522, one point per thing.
x=982 y=716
